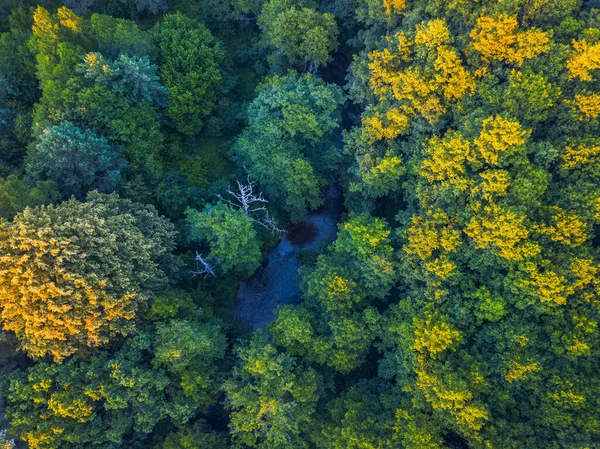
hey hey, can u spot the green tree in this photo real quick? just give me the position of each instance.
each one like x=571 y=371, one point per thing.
x=190 y=67
x=303 y=34
x=230 y=235
x=133 y=77
x=271 y=396
x=76 y=160
x=74 y=275
x=194 y=437
x=336 y=323
x=289 y=146
x=116 y=400
x=16 y=195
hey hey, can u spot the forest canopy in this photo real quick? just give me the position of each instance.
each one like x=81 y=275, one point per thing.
x=315 y=224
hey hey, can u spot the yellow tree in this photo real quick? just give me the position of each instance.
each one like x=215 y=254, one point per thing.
x=74 y=275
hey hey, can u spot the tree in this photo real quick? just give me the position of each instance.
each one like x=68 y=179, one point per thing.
x=189 y=61
x=360 y=418
x=254 y=206
x=289 y=146
x=76 y=160
x=114 y=37
x=74 y=275
x=133 y=77
x=231 y=236
x=117 y=399
x=336 y=322
x=16 y=195
x=303 y=34
x=272 y=399
x=196 y=436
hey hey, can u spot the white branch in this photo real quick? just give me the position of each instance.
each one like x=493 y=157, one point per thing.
x=203 y=268
x=245 y=199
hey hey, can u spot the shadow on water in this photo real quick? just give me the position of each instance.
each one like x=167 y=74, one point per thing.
x=276 y=282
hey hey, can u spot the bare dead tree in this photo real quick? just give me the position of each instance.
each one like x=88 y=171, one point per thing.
x=203 y=267
x=245 y=199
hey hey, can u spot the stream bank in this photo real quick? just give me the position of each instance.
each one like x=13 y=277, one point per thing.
x=276 y=282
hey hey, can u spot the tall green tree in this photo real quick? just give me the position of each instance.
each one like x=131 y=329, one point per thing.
x=190 y=68
x=231 y=236
x=272 y=397
x=76 y=160
x=336 y=323
x=303 y=34
x=289 y=146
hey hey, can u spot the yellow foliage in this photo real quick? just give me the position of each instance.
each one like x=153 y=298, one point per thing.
x=420 y=89
x=587 y=106
x=584 y=58
x=339 y=289
x=68 y=19
x=385 y=126
x=429 y=234
x=580 y=155
x=549 y=287
x=51 y=309
x=432 y=34
x=394 y=6
x=578 y=348
x=585 y=272
x=77 y=409
x=44 y=25
x=441 y=267
x=494 y=184
x=567 y=228
x=433 y=336
x=565 y=396
x=445 y=161
x=499 y=138
x=450 y=74
x=375 y=169
x=459 y=403
x=499 y=39
x=518 y=370
x=502 y=231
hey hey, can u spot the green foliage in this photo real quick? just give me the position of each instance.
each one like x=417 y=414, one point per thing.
x=458 y=304
x=134 y=77
x=114 y=37
x=301 y=33
x=230 y=235
x=335 y=325
x=16 y=195
x=76 y=160
x=98 y=402
x=289 y=146
x=135 y=126
x=171 y=304
x=360 y=418
x=271 y=397
x=193 y=437
x=189 y=62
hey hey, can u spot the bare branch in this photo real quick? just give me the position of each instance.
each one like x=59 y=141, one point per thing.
x=203 y=267
x=245 y=198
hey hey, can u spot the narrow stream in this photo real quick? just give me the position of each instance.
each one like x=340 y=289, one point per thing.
x=276 y=282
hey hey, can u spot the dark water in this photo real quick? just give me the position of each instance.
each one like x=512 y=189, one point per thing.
x=276 y=282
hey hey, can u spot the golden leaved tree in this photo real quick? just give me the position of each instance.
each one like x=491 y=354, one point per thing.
x=75 y=275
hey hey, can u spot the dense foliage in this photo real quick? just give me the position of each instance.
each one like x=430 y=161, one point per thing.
x=158 y=157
